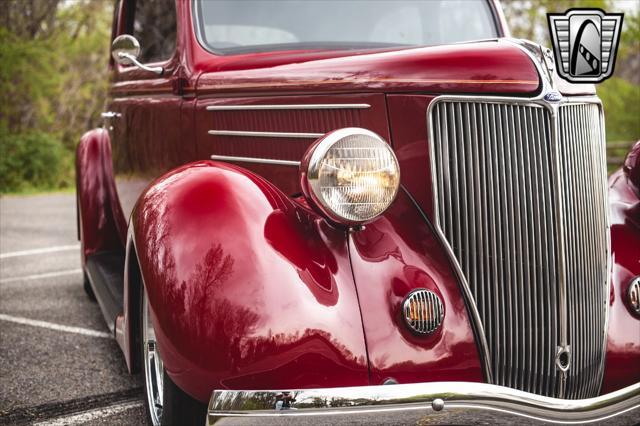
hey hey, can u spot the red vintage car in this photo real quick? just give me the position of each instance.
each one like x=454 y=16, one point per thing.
x=382 y=212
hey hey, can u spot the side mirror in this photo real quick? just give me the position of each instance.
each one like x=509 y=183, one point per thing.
x=125 y=50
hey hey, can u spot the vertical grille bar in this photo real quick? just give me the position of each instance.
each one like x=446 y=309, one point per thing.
x=494 y=241
x=496 y=167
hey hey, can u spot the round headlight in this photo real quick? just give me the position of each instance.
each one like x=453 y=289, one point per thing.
x=351 y=175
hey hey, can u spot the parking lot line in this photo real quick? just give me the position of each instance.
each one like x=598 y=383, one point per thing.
x=39 y=251
x=38 y=276
x=89 y=416
x=53 y=326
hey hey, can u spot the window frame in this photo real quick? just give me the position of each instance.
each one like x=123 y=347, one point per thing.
x=128 y=18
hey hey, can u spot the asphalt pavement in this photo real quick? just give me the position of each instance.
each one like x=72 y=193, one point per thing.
x=58 y=363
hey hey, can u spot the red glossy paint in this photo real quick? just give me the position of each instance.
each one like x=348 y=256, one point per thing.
x=623 y=341
x=392 y=256
x=101 y=220
x=410 y=139
x=147 y=136
x=146 y=142
x=481 y=67
x=248 y=289
x=305 y=121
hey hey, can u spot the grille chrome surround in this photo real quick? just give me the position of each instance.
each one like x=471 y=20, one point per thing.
x=511 y=180
x=430 y=314
x=633 y=295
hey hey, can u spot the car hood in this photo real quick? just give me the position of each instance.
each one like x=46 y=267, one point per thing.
x=491 y=66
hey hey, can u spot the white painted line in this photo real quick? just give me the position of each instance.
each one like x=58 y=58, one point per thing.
x=38 y=251
x=90 y=416
x=57 y=327
x=38 y=276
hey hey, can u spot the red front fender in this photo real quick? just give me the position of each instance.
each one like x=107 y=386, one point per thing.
x=623 y=338
x=247 y=289
x=391 y=257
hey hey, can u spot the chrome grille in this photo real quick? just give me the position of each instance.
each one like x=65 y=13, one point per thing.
x=520 y=199
x=584 y=187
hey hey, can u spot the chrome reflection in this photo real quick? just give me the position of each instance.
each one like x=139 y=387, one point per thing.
x=271 y=161
x=259 y=107
x=421 y=402
x=247 y=133
x=153 y=366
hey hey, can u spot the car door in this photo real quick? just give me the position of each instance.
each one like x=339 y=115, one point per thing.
x=143 y=113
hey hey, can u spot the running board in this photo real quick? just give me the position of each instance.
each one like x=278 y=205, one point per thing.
x=106 y=275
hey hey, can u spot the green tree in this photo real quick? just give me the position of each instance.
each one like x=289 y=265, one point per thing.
x=621 y=100
x=53 y=76
x=528 y=18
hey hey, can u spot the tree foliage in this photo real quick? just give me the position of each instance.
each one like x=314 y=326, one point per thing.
x=53 y=76
x=528 y=18
x=621 y=101
x=33 y=159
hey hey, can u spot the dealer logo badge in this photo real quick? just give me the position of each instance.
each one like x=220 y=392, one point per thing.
x=585 y=42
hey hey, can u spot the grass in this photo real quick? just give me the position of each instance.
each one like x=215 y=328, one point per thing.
x=39 y=191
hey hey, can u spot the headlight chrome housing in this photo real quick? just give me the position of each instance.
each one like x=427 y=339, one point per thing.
x=351 y=175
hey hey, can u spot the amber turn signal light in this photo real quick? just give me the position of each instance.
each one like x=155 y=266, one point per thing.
x=423 y=311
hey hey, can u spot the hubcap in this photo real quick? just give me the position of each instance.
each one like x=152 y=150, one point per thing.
x=153 y=367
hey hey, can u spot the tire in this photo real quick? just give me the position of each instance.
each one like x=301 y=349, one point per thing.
x=166 y=404
x=87 y=288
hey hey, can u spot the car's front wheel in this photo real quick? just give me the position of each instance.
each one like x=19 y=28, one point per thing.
x=166 y=403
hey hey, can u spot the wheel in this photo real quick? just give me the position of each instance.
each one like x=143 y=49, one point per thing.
x=87 y=288
x=166 y=403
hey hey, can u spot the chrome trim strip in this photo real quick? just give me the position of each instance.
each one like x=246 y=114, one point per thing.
x=285 y=107
x=458 y=402
x=255 y=160
x=265 y=134
x=556 y=175
x=110 y=114
x=605 y=190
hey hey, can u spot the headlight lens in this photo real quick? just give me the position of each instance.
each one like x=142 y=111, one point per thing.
x=352 y=175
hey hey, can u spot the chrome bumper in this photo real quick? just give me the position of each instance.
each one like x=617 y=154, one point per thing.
x=420 y=403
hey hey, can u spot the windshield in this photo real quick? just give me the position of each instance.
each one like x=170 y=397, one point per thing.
x=233 y=27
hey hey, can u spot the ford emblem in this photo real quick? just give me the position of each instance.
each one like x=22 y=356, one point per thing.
x=553 y=96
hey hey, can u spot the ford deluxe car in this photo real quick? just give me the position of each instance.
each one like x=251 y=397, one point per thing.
x=380 y=212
